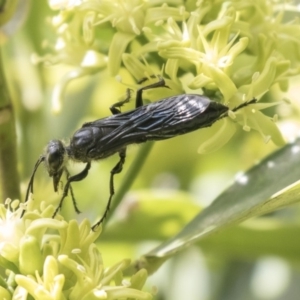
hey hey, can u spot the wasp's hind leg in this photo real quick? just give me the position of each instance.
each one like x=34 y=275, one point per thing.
x=139 y=92
x=115 y=108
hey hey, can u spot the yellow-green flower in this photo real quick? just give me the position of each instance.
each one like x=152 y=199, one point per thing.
x=52 y=259
x=233 y=51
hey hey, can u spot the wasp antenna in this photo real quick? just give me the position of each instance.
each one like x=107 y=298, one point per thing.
x=30 y=184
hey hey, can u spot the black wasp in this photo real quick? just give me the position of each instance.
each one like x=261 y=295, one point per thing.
x=96 y=140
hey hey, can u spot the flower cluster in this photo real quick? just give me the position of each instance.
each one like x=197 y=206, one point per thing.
x=233 y=50
x=51 y=259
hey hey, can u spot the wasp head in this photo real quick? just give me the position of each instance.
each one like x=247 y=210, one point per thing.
x=55 y=159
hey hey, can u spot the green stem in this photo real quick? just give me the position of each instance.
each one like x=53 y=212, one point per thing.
x=9 y=176
x=131 y=174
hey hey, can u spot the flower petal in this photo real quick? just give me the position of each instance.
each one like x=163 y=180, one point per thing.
x=219 y=134
x=118 y=46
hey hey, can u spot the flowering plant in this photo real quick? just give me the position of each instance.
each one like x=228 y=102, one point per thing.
x=52 y=259
x=233 y=50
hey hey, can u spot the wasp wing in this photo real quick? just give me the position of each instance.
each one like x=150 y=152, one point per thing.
x=156 y=121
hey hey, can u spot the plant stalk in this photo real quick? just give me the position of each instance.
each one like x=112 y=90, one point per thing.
x=9 y=176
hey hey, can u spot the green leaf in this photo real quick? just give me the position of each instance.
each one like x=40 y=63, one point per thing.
x=256 y=238
x=267 y=186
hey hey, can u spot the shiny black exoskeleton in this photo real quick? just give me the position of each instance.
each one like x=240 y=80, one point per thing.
x=102 y=138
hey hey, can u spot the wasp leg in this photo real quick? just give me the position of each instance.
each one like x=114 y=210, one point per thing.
x=115 y=108
x=116 y=170
x=139 y=92
x=72 y=194
x=77 y=177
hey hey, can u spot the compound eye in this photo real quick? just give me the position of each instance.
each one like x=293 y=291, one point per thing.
x=55 y=157
x=54 y=160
